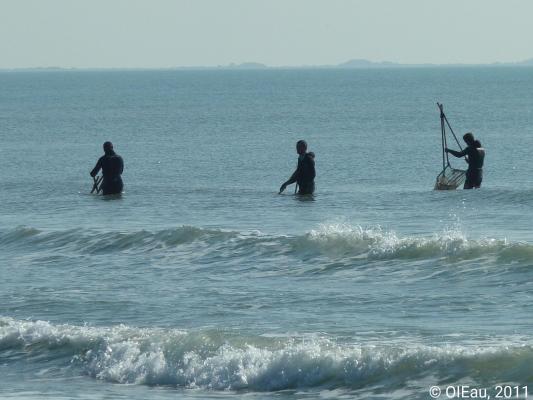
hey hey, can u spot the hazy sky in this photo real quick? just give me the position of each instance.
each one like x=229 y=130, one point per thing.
x=166 y=33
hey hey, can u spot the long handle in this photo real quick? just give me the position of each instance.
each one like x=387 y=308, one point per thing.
x=99 y=188
x=445 y=160
x=444 y=119
x=96 y=183
x=443 y=116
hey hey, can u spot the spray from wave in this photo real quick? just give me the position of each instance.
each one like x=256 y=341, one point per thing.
x=220 y=360
x=376 y=243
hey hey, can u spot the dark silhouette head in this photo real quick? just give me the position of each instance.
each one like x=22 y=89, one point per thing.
x=108 y=147
x=301 y=147
x=469 y=138
x=477 y=144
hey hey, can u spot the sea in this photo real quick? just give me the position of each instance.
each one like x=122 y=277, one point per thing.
x=202 y=282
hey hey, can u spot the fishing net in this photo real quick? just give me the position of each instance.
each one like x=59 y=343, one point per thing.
x=450 y=179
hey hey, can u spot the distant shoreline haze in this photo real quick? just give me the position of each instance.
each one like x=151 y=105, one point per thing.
x=351 y=64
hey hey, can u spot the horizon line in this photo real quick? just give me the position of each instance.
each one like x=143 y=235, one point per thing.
x=350 y=64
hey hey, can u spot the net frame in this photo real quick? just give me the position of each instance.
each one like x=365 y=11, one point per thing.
x=450 y=178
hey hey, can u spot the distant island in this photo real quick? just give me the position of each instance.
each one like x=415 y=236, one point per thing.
x=356 y=63
x=366 y=64
x=351 y=64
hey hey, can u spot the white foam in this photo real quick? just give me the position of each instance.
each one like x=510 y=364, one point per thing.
x=211 y=360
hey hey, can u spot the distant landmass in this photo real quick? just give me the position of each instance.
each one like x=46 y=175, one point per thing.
x=387 y=64
x=362 y=64
x=525 y=62
x=246 y=65
x=351 y=64
x=367 y=64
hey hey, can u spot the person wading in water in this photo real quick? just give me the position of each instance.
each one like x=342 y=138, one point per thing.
x=475 y=156
x=305 y=173
x=112 y=167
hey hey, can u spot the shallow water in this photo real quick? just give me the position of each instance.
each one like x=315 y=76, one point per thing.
x=202 y=282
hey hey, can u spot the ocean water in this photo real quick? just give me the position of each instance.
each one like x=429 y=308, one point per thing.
x=202 y=282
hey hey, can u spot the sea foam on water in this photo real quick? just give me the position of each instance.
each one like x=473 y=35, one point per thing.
x=218 y=361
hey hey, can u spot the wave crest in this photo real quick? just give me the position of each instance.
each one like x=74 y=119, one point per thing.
x=219 y=360
x=333 y=241
x=376 y=243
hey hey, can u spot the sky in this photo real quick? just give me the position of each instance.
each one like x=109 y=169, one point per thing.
x=171 y=33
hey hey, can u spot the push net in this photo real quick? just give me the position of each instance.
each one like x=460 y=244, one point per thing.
x=450 y=179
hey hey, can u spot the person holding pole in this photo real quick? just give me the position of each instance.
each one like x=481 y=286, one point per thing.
x=112 y=167
x=474 y=154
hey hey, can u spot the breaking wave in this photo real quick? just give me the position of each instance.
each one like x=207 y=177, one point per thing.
x=332 y=241
x=226 y=360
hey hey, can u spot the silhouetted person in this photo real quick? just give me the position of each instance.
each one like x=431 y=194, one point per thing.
x=305 y=174
x=112 y=166
x=475 y=155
